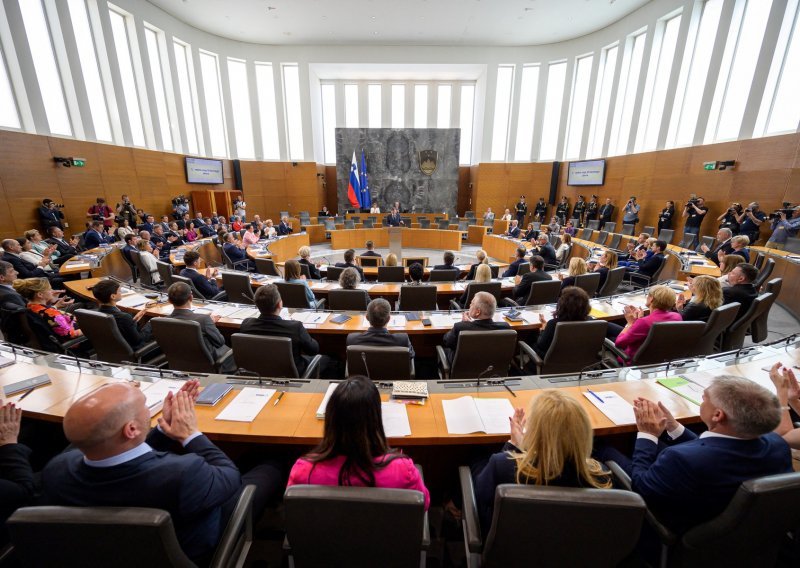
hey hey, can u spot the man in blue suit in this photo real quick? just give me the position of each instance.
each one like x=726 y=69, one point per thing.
x=687 y=480
x=513 y=229
x=206 y=283
x=94 y=236
x=120 y=462
x=513 y=268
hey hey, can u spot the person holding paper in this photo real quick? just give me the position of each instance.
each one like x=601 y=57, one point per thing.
x=354 y=451
x=661 y=301
x=479 y=317
x=379 y=311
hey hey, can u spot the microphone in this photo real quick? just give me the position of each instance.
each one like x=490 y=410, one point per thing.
x=366 y=367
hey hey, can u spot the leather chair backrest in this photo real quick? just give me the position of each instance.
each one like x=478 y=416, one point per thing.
x=793 y=245
x=586 y=234
x=627 y=229
x=666 y=235
x=330 y=224
x=589 y=282
x=355 y=300
x=165 y=271
x=354 y=526
x=751 y=530
x=406 y=220
x=369 y=260
x=649 y=230
x=670 y=340
x=594 y=224
x=92 y=536
x=477 y=350
x=238 y=288
x=139 y=267
x=757 y=260
x=613 y=280
x=463 y=225
x=575 y=346
x=182 y=342
x=409 y=260
x=417 y=298
x=494 y=288
x=383 y=363
x=293 y=294
x=444 y=224
x=304 y=270
x=368 y=224
x=705 y=240
x=391 y=274
x=759 y=329
x=602 y=236
x=686 y=240
x=660 y=269
x=719 y=320
x=544 y=292
x=615 y=240
x=774 y=287
x=195 y=292
x=764 y=274
x=585 y=527
x=524 y=268
x=339 y=219
x=267 y=266
x=424 y=223
x=349 y=224
x=333 y=273
x=555 y=241
x=102 y=332
x=610 y=227
x=373 y=218
x=355 y=218
x=249 y=350
x=446 y=275
x=734 y=337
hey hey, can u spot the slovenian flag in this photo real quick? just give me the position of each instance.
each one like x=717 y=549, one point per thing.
x=354 y=188
x=366 y=198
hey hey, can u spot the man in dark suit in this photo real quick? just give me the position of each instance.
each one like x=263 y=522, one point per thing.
x=513 y=268
x=25 y=269
x=95 y=236
x=449 y=258
x=687 y=480
x=349 y=257
x=477 y=318
x=130 y=246
x=741 y=289
x=545 y=249
x=206 y=283
x=118 y=461
x=269 y=322
x=180 y=296
x=66 y=249
x=148 y=224
x=723 y=244
x=606 y=212
x=649 y=265
x=11 y=300
x=370 y=250
x=513 y=229
x=378 y=314
x=283 y=226
x=17 y=486
x=107 y=294
x=393 y=219
x=236 y=252
x=523 y=283
x=160 y=242
x=50 y=215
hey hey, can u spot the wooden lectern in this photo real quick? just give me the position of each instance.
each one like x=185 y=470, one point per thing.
x=396 y=242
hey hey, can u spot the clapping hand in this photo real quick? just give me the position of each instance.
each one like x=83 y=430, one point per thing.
x=785 y=382
x=631 y=313
x=10 y=418
x=650 y=419
x=178 y=420
x=517 y=427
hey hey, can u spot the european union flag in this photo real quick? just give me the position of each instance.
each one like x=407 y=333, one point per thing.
x=366 y=198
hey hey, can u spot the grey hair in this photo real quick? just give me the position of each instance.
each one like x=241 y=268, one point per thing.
x=486 y=303
x=726 y=231
x=349 y=278
x=751 y=409
x=379 y=312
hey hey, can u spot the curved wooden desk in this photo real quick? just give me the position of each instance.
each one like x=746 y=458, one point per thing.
x=411 y=238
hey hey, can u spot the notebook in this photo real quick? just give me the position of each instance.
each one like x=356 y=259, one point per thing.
x=467 y=415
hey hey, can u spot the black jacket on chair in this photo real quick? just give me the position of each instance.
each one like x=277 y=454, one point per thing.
x=713 y=254
x=312 y=269
x=128 y=327
x=65 y=249
x=302 y=342
x=208 y=288
x=380 y=337
x=211 y=335
x=450 y=340
x=742 y=293
x=523 y=289
x=16 y=482
x=23 y=267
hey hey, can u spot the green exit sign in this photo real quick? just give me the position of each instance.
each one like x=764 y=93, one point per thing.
x=709 y=165
x=78 y=163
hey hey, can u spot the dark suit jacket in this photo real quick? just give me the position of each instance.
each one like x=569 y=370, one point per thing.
x=393 y=220
x=312 y=269
x=93 y=239
x=208 y=288
x=370 y=253
x=742 y=293
x=302 y=342
x=51 y=217
x=381 y=338
x=207 y=231
x=192 y=487
x=547 y=252
x=66 y=250
x=513 y=268
x=23 y=267
x=450 y=339
x=8 y=324
x=713 y=254
x=211 y=335
x=513 y=232
x=127 y=250
x=16 y=482
x=234 y=252
x=694 y=479
x=128 y=327
x=606 y=212
x=649 y=266
x=523 y=289
x=445 y=267
x=472 y=270
x=283 y=229
x=351 y=265
x=147 y=227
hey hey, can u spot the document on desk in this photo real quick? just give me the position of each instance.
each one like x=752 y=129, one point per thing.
x=681 y=386
x=311 y=318
x=226 y=311
x=397 y=321
x=467 y=415
x=132 y=301
x=247 y=404
x=444 y=320
x=366 y=287
x=324 y=404
x=616 y=408
x=395 y=420
x=155 y=395
x=244 y=313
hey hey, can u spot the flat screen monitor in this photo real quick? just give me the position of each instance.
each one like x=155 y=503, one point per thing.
x=203 y=170
x=589 y=172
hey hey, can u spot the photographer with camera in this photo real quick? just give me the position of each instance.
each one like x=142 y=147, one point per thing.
x=694 y=211
x=101 y=212
x=750 y=221
x=240 y=208
x=784 y=226
x=180 y=207
x=50 y=214
x=126 y=210
x=631 y=212
x=728 y=218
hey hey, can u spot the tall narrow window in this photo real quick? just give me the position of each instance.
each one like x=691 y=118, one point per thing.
x=626 y=94
x=444 y=92
x=89 y=70
x=186 y=85
x=655 y=90
x=351 y=106
x=374 y=106
x=329 y=122
x=294 y=117
x=267 y=111
x=8 y=105
x=465 y=123
x=556 y=77
x=398 y=106
x=577 y=111
x=119 y=29
x=785 y=112
x=240 y=104
x=44 y=64
x=420 y=106
x=212 y=89
x=156 y=70
x=602 y=101
x=502 y=111
x=527 y=112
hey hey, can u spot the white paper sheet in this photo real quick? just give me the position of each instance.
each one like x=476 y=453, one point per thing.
x=226 y=311
x=247 y=404
x=244 y=313
x=77 y=265
x=325 y=399
x=310 y=318
x=616 y=408
x=132 y=301
x=367 y=287
x=467 y=415
x=397 y=321
x=155 y=395
x=395 y=420
x=494 y=413
x=444 y=320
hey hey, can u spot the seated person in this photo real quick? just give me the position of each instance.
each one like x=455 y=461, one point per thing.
x=269 y=322
x=416 y=273
x=237 y=252
x=506 y=215
x=160 y=241
x=544 y=249
x=649 y=266
x=552 y=445
x=554 y=227
x=573 y=305
x=66 y=248
x=349 y=257
x=661 y=302
x=149 y=259
x=180 y=296
x=449 y=258
x=633 y=248
x=530 y=233
x=117 y=460
x=724 y=236
x=107 y=294
x=191 y=234
x=269 y=232
x=349 y=280
x=250 y=237
x=687 y=480
x=391 y=259
x=564 y=249
x=283 y=226
x=205 y=283
x=479 y=317
x=482 y=258
x=370 y=250
x=378 y=314
x=706 y=297
x=482 y=274
x=44 y=303
x=17 y=485
x=40 y=260
x=513 y=268
x=608 y=262
x=95 y=236
x=393 y=219
x=313 y=268
x=513 y=230
x=522 y=289
x=293 y=275
x=741 y=287
x=12 y=251
x=728 y=263
x=354 y=451
x=43 y=247
x=739 y=247
x=577 y=267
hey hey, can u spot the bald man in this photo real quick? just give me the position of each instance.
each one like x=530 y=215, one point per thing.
x=121 y=462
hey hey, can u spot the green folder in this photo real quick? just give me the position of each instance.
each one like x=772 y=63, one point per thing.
x=682 y=387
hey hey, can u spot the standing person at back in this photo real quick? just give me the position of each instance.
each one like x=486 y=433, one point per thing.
x=477 y=318
x=631 y=214
x=606 y=212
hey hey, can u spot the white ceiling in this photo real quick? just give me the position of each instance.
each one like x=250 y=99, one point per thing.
x=400 y=22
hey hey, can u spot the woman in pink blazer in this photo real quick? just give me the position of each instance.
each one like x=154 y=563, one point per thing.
x=661 y=301
x=353 y=450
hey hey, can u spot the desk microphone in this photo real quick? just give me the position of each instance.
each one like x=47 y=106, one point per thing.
x=366 y=367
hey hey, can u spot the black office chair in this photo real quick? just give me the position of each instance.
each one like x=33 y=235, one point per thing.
x=607 y=534
x=267 y=266
x=332 y=273
x=238 y=288
x=577 y=345
x=610 y=227
x=793 y=245
x=476 y=351
x=293 y=295
x=666 y=235
x=719 y=320
x=764 y=274
x=132 y=536
x=373 y=261
x=704 y=240
x=687 y=240
x=444 y=275
x=330 y=224
x=409 y=260
x=183 y=344
x=650 y=230
x=249 y=351
x=627 y=229
x=640 y=280
x=353 y=300
x=368 y=224
x=391 y=274
x=493 y=288
x=589 y=282
x=543 y=292
x=734 y=336
x=586 y=234
x=602 y=236
x=424 y=223
x=102 y=332
x=165 y=272
x=349 y=224
x=614 y=242
x=383 y=363
x=233 y=265
x=38 y=335
x=145 y=276
x=417 y=298
x=665 y=341
x=523 y=268
x=195 y=292
x=613 y=280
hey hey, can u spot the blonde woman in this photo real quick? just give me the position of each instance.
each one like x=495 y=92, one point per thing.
x=608 y=262
x=391 y=259
x=739 y=247
x=564 y=249
x=482 y=274
x=728 y=263
x=40 y=246
x=577 y=267
x=313 y=268
x=706 y=297
x=552 y=445
x=482 y=258
x=661 y=302
x=149 y=260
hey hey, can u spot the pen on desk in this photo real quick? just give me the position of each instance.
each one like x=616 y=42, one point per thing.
x=508 y=388
x=280 y=396
x=591 y=392
x=26 y=393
